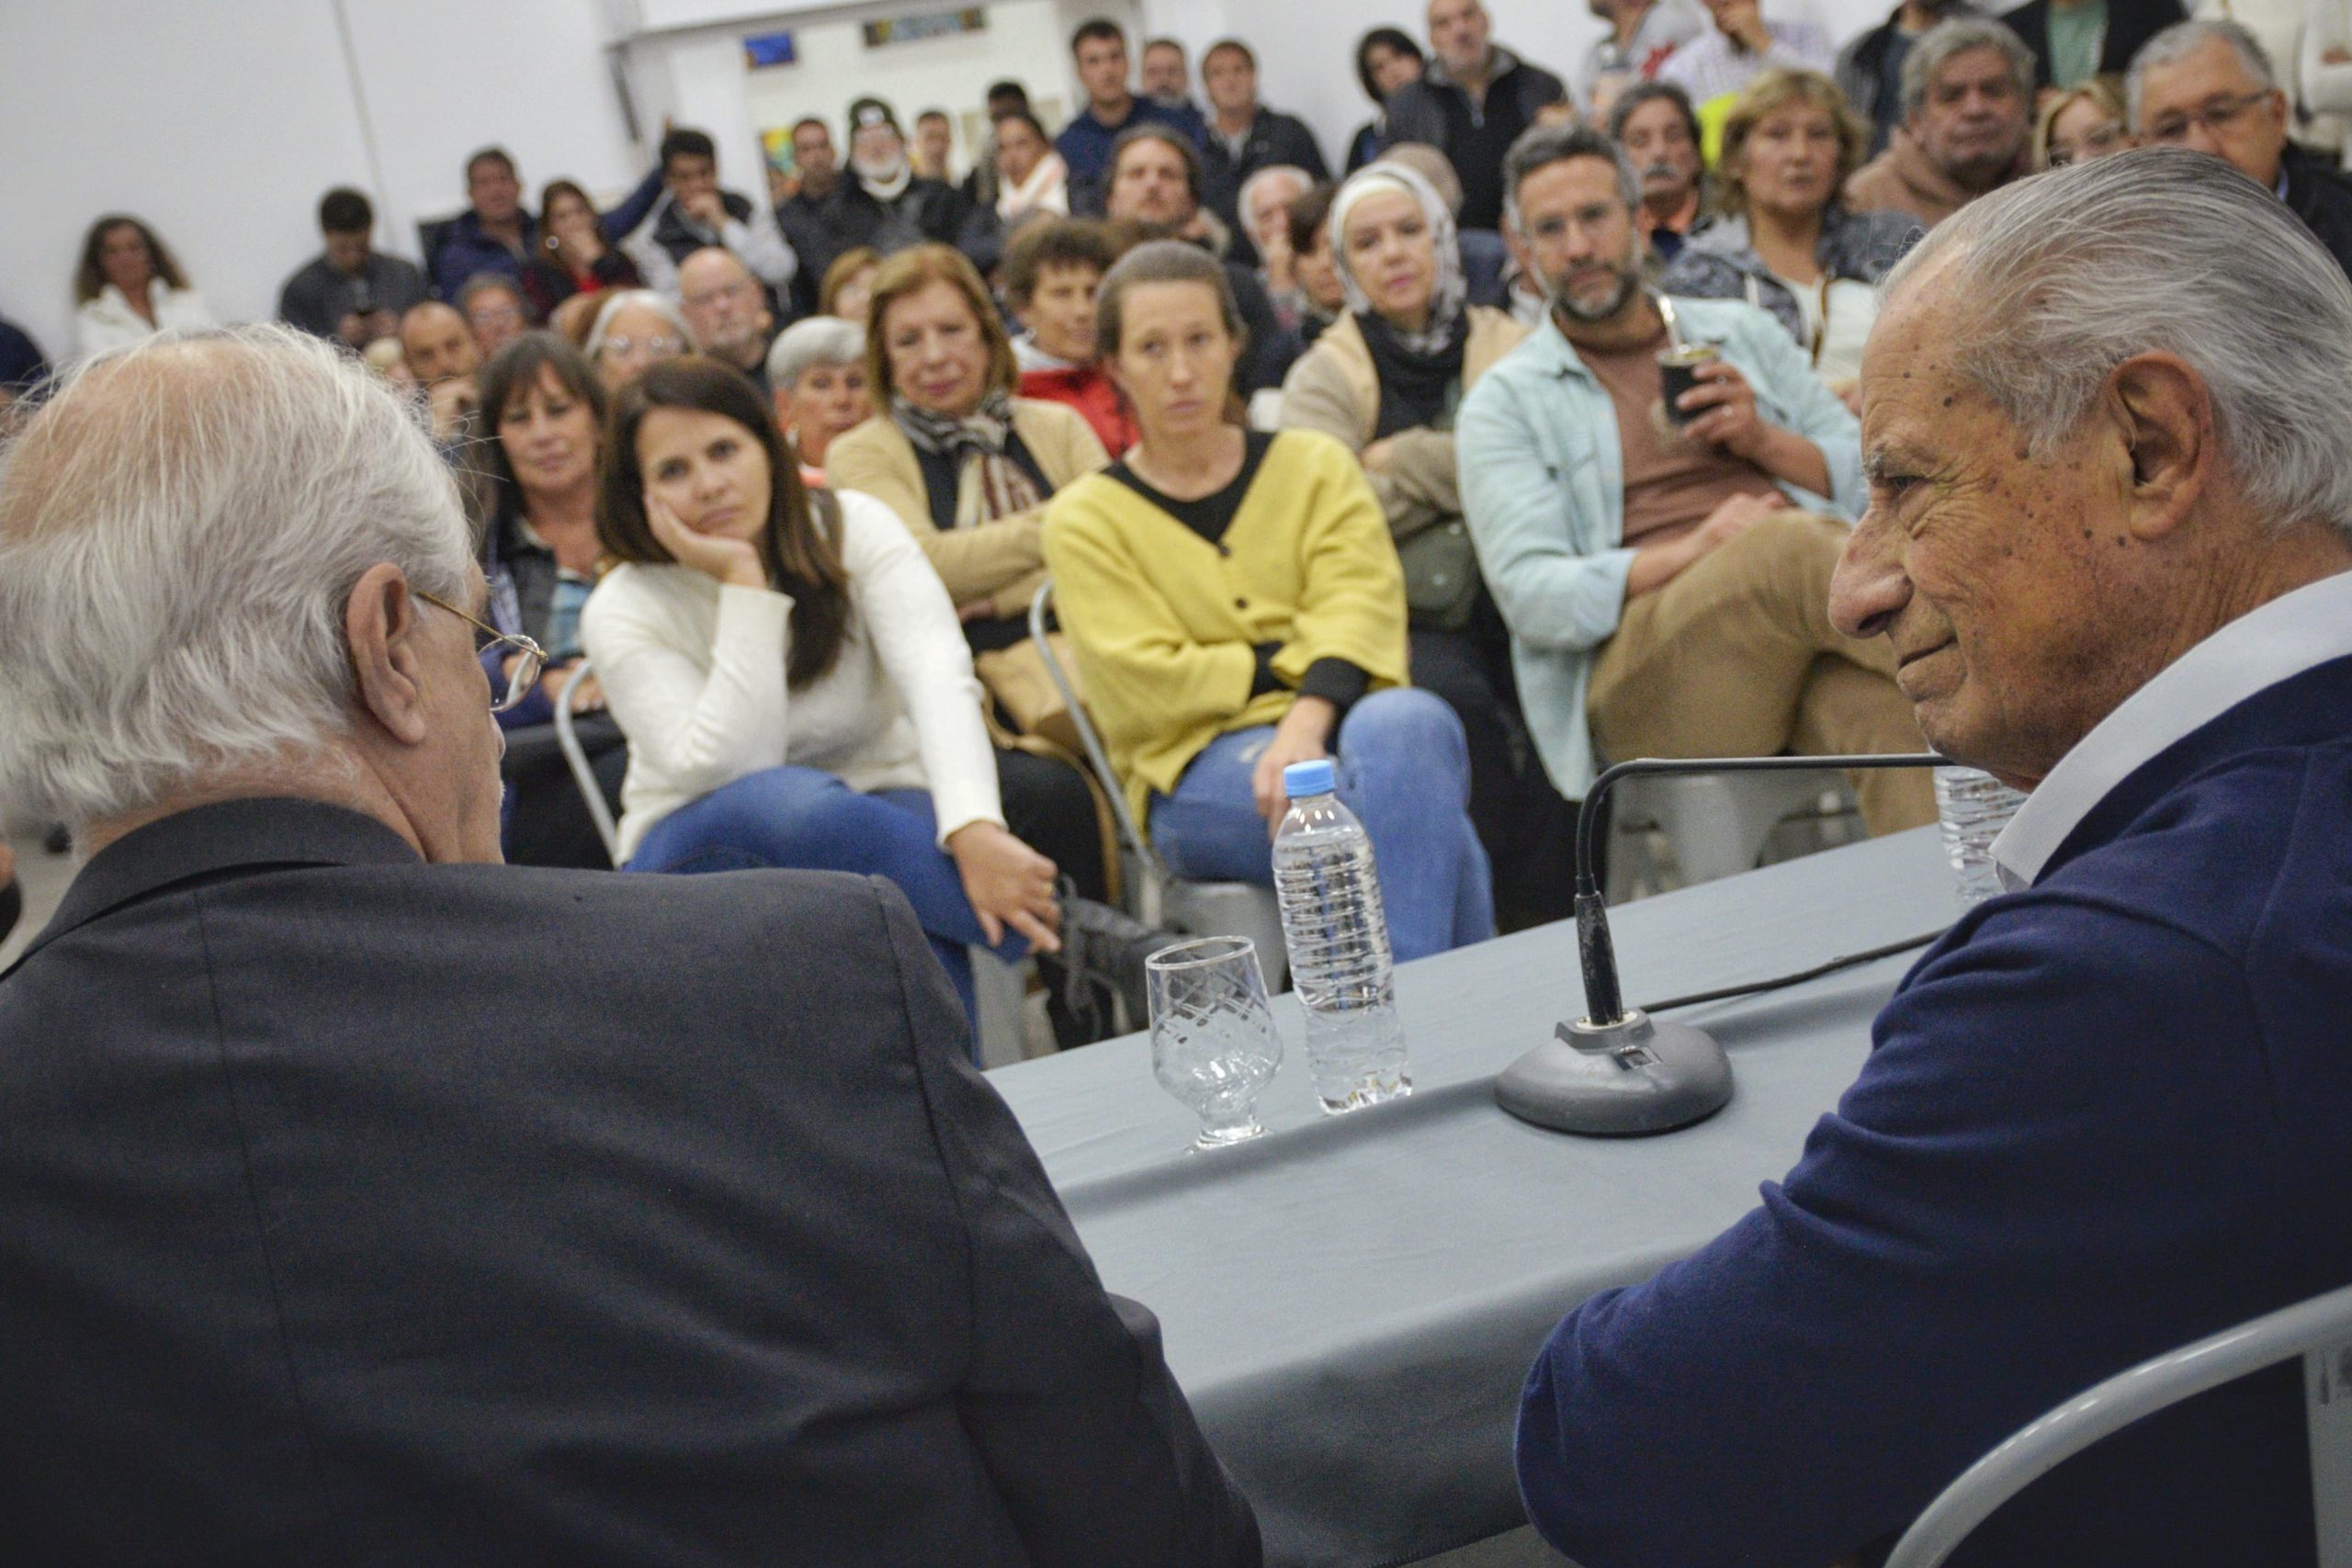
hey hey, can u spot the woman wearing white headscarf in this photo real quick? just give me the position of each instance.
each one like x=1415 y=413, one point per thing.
x=1386 y=379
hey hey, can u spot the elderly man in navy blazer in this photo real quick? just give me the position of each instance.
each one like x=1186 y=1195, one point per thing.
x=365 y=1202
x=2105 y=422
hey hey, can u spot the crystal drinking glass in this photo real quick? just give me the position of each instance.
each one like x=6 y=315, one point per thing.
x=1213 y=1040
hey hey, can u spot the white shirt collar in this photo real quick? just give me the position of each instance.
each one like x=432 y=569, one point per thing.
x=2283 y=639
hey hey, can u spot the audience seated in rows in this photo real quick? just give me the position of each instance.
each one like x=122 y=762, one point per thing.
x=1642 y=35
x=1660 y=131
x=692 y=213
x=532 y=1216
x=818 y=370
x=1235 y=606
x=1317 y=295
x=1786 y=243
x=1384 y=381
x=1246 y=137
x=636 y=328
x=442 y=356
x=801 y=217
x=1099 y=51
x=1471 y=103
x=1050 y=276
x=1264 y=209
x=2073 y=41
x=575 y=256
x=1718 y=64
x=848 y=288
x=728 y=312
x=495 y=309
x=2111 y=543
x=1386 y=59
x=1967 y=115
x=2207 y=86
x=1667 y=586
x=967 y=468
x=1870 y=68
x=885 y=205
x=1164 y=80
x=351 y=291
x=128 y=287
x=2077 y=124
x=543 y=414
x=1156 y=180
x=790 y=676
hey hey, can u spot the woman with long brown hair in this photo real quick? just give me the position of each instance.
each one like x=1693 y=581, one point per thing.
x=128 y=287
x=790 y=676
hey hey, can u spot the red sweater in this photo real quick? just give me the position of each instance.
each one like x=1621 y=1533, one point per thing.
x=1088 y=389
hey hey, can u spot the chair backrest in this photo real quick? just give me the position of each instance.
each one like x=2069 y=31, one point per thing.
x=2319 y=1330
x=584 y=773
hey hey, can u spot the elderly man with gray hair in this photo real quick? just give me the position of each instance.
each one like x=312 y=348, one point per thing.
x=369 y=1202
x=1967 y=115
x=2109 y=545
x=2208 y=87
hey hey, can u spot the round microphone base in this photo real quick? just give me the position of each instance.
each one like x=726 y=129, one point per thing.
x=1624 y=1080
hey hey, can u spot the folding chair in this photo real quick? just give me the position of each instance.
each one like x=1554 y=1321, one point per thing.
x=583 y=774
x=2318 y=1330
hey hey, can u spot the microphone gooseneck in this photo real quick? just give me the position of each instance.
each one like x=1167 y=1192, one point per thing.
x=1617 y=1071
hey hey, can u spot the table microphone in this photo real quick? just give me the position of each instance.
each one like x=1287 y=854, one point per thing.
x=1617 y=1072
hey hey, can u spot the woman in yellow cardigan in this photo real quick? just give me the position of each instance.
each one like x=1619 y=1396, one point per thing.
x=1236 y=605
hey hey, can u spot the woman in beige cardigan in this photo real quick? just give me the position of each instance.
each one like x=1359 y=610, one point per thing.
x=1386 y=379
x=968 y=467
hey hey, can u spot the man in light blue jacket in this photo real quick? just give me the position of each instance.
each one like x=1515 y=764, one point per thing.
x=1667 y=588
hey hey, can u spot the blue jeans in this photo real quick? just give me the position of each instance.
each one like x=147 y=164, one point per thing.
x=806 y=819
x=1404 y=771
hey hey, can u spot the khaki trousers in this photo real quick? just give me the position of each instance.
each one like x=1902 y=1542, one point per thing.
x=1736 y=657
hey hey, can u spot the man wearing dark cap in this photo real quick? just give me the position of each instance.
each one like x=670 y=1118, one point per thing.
x=885 y=203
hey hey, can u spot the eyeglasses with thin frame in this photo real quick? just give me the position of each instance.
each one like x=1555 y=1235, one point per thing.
x=525 y=673
x=2216 y=116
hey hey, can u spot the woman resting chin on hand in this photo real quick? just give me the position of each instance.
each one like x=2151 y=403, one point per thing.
x=791 y=677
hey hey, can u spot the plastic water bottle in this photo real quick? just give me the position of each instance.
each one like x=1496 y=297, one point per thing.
x=1972 y=808
x=1338 y=936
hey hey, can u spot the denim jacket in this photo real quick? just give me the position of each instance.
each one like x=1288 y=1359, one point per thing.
x=1542 y=476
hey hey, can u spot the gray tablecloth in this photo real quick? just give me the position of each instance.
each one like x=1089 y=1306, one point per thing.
x=1351 y=1305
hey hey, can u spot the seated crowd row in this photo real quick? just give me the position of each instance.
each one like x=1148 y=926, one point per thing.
x=1467 y=548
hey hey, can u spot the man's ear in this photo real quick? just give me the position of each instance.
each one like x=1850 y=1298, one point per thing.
x=2167 y=415
x=382 y=626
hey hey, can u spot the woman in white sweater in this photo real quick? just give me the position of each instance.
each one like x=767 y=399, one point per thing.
x=791 y=677
x=129 y=287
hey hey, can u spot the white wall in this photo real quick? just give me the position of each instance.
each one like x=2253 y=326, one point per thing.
x=221 y=123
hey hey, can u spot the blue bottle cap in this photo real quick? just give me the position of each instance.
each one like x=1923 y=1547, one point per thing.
x=1302 y=779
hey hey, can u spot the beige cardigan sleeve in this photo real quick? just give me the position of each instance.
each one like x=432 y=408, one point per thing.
x=999 y=563
x=1417 y=487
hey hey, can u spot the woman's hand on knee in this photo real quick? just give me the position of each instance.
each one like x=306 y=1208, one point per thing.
x=1303 y=735
x=1007 y=883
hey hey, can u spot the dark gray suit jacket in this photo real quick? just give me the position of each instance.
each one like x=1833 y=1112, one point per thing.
x=358 y=1210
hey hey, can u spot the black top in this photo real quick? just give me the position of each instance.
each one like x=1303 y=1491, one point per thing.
x=1337 y=681
x=352 y=1219
x=2318 y=193
x=2129 y=24
x=941 y=477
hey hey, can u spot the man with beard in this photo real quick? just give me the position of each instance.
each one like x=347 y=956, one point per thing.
x=1967 y=110
x=1655 y=125
x=885 y=203
x=728 y=311
x=1165 y=77
x=1470 y=103
x=1665 y=576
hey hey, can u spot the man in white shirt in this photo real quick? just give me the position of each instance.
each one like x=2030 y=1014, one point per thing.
x=693 y=213
x=1719 y=62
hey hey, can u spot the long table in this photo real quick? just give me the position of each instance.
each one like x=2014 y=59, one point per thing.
x=1351 y=1304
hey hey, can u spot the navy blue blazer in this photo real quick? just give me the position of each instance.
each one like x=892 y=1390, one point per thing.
x=358 y=1211
x=2103 y=1118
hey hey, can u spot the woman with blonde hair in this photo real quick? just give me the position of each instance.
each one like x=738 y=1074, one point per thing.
x=2080 y=124
x=847 y=290
x=1785 y=241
